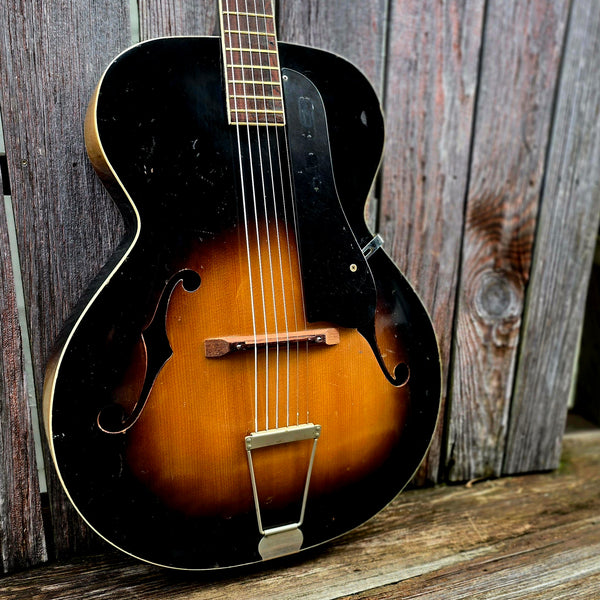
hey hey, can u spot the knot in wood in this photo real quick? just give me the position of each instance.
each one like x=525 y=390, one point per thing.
x=497 y=296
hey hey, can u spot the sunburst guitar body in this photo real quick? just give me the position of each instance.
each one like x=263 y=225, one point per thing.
x=250 y=375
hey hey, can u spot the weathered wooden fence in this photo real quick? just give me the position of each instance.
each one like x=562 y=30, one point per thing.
x=489 y=200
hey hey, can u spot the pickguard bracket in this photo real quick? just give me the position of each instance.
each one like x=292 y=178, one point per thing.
x=372 y=246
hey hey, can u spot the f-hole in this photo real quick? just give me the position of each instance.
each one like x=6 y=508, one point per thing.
x=111 y=419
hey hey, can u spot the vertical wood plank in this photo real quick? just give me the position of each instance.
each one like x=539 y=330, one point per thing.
x=53 y=53
x=355 y=30
x=568 y=223
x=22 y=541
x=520 y=63
x=432 y=78
x=177 y=17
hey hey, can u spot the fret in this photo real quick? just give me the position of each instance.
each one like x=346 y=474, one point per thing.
x=254 y=82
x=265 y=25
x=270 y=123
x=246 y=14
x=239 y=31
x=257 y=110
x=250 y=44
x=257 y=101
x=261 y=50
x=276 y=122
x=264 y=67
x=254 y=118
x=251 y=101
x=249 y=60
x=254 y=97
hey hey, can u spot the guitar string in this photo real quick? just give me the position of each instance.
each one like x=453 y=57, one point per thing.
x=294 y=315
x=284 y=201
x=290 y=182
x=257 y=221
x=244 y=207
x=293 y=290
x=304 y=321
x=296 y=253
x=268 y=129
x=264 y=186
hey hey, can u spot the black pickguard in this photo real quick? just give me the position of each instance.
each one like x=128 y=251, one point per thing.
x=338 y=284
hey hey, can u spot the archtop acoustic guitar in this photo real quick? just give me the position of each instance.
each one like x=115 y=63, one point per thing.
x=250 y=375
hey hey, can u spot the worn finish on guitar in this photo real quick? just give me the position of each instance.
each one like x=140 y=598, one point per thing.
x=252 y=236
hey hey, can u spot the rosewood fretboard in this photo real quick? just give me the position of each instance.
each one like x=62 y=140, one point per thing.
x=251 y=62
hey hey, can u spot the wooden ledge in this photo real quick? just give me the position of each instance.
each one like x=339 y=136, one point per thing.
x=534 y=536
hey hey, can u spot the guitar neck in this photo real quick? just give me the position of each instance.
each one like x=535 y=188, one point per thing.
x=251 y=62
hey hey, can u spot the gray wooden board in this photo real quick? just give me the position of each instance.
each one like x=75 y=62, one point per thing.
x=534 y=536
x=22 y=541
x=177 y=17
x=431 y=82
x=53 y=53
x=354 y=30
x=561 y=564
x=564 y=250
x=520 y=61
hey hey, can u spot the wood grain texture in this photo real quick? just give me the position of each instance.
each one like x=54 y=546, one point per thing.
x=354 y=30
x=432 y=67
x=22 y=541
x=52 y=55
x=521 y=537
x=177 y=17
x=564 y=250
x=184 y=441
x=549 y=568
x=519 y=69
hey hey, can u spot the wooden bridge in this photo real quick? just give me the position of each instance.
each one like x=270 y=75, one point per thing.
x=489 y=201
